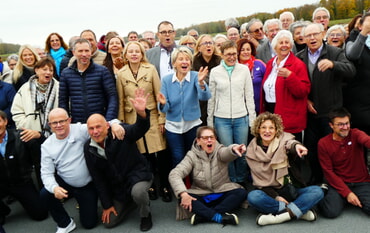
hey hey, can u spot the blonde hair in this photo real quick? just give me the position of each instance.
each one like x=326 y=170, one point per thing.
x=18 y=69
x=144 y=59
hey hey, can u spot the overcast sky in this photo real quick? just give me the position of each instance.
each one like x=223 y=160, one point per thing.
x=31 y=21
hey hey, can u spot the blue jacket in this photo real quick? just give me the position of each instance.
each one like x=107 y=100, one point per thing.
x=93 y=91
x=6 y=99
x=183 y=101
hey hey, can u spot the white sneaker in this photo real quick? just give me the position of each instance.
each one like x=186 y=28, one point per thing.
x=71 y=226
x=309 y=216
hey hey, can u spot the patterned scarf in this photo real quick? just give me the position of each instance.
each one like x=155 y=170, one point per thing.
x=44 y=102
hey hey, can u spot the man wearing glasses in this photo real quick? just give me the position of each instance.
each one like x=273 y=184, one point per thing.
x=342 y=159
x=328 y=69
x=271 y=28
x=255 y=32
x=160 y=56
x=321 y=15
x=64 y=171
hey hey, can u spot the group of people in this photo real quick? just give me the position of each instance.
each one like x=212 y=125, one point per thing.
x=200 y=120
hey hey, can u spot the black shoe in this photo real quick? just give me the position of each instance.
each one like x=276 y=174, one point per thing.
x=166 y=195
x=152 y=194
x=146 y=223
x=230 y=219
x=195 y=219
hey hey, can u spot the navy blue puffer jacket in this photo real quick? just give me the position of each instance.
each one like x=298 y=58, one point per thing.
x=92 y=91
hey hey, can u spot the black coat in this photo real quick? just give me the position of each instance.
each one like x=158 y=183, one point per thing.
x=16 y=166
x=124 y=166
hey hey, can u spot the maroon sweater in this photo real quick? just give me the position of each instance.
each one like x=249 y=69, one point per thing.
x=343 y=161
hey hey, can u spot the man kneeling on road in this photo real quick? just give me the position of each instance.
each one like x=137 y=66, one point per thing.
x=121 y=174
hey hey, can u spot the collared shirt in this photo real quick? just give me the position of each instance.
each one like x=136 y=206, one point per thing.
x=100 y=150
x=182 y=126
x=314 y=56
x=269 y=85
x=3 y=145
x=165 y=63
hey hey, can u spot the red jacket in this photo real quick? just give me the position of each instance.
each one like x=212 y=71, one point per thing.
x=291 y=94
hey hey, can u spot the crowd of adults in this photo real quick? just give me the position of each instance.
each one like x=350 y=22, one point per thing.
x=217 y=122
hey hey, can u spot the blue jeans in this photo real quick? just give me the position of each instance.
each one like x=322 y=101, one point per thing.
x=180 y=144
x=307 y=198
x=227 y=202
x=86 y=197
x=229 y=131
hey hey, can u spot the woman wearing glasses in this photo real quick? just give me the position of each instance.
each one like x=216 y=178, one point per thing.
x=31 y=107
x=205 y=56
x=231 y=108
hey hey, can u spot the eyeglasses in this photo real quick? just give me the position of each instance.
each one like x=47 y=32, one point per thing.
x=212 y=137
x=336 y=35
x=61 y=122
x=207 y=43
x=230 y=54
x=169 y=32
x=341 y=125
x=316 y=34
x=321 y=17
x=188 y=44
x=258 y=30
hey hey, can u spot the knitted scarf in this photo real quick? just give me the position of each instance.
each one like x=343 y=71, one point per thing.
x=44 y=102
x=58 y=56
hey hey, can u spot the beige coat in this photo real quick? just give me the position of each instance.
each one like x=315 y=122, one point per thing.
x=148 y=79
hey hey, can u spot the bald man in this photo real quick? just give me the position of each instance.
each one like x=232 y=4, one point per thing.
x=120 y=172
x=65 y=174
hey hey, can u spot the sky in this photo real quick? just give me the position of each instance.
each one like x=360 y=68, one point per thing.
x=30 y=22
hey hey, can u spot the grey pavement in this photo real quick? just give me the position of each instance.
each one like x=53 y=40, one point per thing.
x=353 y=220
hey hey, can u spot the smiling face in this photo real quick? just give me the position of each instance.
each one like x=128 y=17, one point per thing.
x=341 y=127
x=182 y=64
x=44 y=74
x=313 y=37
x=272 y=30
x=336 y=38
x=256 y=30
x=267 y=132
x=283 y=47
x=55 y=42
x=59 y=122
x=207 y=141
x=230 y=56
x=115 y=46
x=245 y=52
x=97 y=127
x=82 y=52
x=28 y=57
x=91 y=38
x=206 y=46
x=134 y=54
x=233 y=34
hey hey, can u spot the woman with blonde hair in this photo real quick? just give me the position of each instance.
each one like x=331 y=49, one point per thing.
x=139 y=73
x=24 y=68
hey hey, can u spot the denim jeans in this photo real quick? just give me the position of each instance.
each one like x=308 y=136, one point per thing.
x=234 y=130
x=333 y=203
x=307 y=198
x=87 y=199
x=180 y=144
x=227 y=202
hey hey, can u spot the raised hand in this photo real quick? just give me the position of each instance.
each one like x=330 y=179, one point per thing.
x=202 y=74
x=139 y=103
